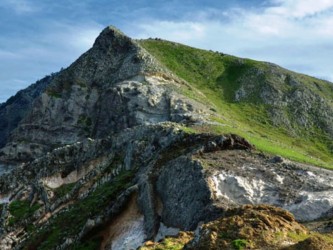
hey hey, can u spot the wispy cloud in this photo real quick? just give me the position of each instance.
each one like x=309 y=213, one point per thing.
x=292 y=33
x=300 y=8
x=185 y=32
x=76 y=37
x=39 y=37
x=19 y=6
x=40 y=54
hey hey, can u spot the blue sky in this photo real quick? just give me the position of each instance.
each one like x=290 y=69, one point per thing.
x=39 y=37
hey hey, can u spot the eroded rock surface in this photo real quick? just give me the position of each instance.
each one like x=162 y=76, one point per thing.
x=175 y=177
x=292 y=102
x=15 y=109
x=113 y=86
x=245 y=178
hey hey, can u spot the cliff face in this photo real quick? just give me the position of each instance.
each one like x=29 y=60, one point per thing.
x=297 y=102
x=149 y=181
x=15 y=109
x=113 y=86
x=113 y=151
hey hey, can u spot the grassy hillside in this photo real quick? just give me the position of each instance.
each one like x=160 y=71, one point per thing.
x=221 y=77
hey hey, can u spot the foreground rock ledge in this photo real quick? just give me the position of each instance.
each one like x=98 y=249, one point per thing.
x=149 y=179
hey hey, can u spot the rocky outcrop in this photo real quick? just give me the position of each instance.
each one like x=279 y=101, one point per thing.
x=89 y=166
x=312 y=243
x=249 y=227
x=113 y=86
x=165 y=171
x=292 y=101
x=15 y=109
x=183 y=207
x=245 y=178
x=176 y=242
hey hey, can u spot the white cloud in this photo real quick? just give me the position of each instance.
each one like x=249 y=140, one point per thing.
x=41 y=54
x=19 y=6
x=185 y=31
x=72 y=36
x=293 y=33
x=5 y=55
x=300 y=8
x=296 y=34
x=59 y=43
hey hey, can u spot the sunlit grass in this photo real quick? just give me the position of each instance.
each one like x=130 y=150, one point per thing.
x=216 y=75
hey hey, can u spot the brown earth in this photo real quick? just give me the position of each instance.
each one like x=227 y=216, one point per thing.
x=250 y=227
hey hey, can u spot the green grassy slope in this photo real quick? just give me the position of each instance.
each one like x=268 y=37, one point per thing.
x=219 y=76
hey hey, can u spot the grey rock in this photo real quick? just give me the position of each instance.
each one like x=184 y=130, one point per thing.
x=290 y=101
x=184 y=194
x=114 y=86
x=16 y=107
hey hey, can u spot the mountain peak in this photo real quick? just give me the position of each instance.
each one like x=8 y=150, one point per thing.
x=111 y=35
x=113 y=29
x=115 y=85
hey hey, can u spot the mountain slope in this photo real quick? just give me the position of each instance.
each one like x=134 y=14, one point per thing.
x=132 y=143
x=113 y=86
x=16 y=107
x=117 y=192
x=280 y=111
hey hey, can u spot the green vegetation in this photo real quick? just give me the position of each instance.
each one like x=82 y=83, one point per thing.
x=326 y=237
x=296 y=237
x=85 y=122
x=90 y=245
x=71 y=221
x=214 y=77
x=63 y=190
x=21 y=210
x=1 y=208
x=53 y=93
x=300 y=237
x=170 y=243
x=239 y=244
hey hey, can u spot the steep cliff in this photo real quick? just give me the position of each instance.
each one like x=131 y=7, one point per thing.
x=15 y=109
x=148 y=182
x=113 y=86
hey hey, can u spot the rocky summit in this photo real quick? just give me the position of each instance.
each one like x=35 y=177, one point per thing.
x=150 y=144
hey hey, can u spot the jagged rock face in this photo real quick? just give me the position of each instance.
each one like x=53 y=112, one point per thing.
x=113 y=58
x=144 y=152
x=291 y=103
x=113 y=86
x=15 y=109
x=165 y=170
x=194 y=196
x=243 y=178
